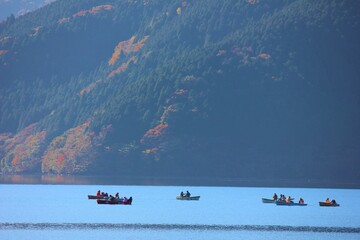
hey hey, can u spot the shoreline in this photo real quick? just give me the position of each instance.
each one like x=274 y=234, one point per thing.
x=173 y=181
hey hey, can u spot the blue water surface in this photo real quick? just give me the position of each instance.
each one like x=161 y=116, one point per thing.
x=64 y=212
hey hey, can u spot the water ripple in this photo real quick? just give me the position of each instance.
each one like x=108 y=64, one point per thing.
x=164 y=227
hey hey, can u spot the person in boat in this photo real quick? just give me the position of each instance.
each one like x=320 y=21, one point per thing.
x=98 y=193
x=333 y=201
x=282 y=197
x=111 y=198
x=117 y=195
x=181 y=194
x=327 y=200
x=188 y=194
x=301 y=201
x=275 y=197
x=288 y=199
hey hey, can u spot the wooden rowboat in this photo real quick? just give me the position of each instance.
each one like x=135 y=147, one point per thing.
x=330 y=204
x=283 y=203
x=268 y=200
x=188 y=198
x=95 y=197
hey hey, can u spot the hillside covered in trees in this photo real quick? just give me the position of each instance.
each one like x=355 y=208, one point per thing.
x=19 y=7
x=252 y=89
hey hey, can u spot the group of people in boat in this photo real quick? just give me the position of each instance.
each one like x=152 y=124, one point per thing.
x=286 y=199
x=187 y=194
x=112 y=198
x=301 y=201
x=327 y=200
x=101 y=194
x=105 y=195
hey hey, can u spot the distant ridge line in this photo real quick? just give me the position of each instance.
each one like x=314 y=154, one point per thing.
x=199 y=227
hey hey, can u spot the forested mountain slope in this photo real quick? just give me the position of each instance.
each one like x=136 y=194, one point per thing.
x=245 y=89
x=19 y=7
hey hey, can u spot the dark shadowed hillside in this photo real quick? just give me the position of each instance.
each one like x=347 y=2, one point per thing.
x=253 y=89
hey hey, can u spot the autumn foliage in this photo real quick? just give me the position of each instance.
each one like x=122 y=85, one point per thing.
x=181 y=91
x=264 y=56
x=244 y=53
x=21 y=152
x=154 y=135
x=93 y=11
x=123 y=67
x=152 y=153
x=90 y=87
x=127 y=47
x=74 y=151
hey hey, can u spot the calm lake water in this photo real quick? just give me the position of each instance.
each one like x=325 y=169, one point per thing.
x=64 y=212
